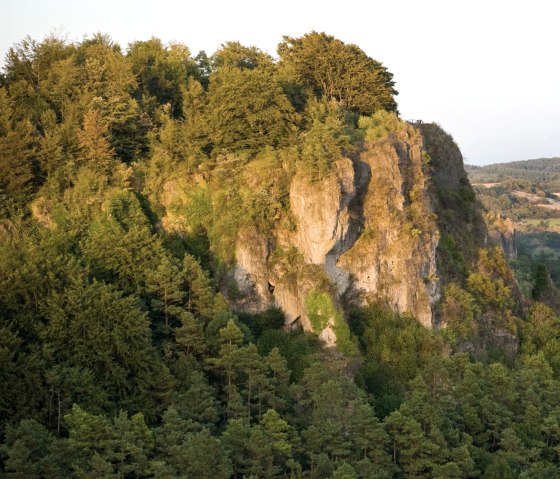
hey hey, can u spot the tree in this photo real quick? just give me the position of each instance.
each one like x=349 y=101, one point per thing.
x=324 y=139
x=17 y=159
x=189 y=336
x=369 y=438
x=202 y=298
x=120 y=447
x=542 y=282
x=27 y=448
x=203 y=456
x=459 y=312
x=198 y=401
x=107 y=80
x=21 y=382
x=261 y=455
x=499 y=468
x=235 y=55
x=236 y=442
x=416 y=454
x=91 y=325
x=336 y=71
x=279 y=381
x=160 y=71
x=345 y=471
x=96 y=152
x=165 y=283
x=256 y=383
x=247 y=110
x=540 y=334
x=120 y=245
x=279 y=433
x=51 y=153
x=194 y=125
x=31 y=61
x=227 y=361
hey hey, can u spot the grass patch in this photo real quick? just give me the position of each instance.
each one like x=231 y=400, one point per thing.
x=320 y=308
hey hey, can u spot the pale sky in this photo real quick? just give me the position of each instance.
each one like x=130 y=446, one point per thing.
x=487 y=71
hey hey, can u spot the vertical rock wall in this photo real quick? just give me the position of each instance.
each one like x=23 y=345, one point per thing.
x=366 y=232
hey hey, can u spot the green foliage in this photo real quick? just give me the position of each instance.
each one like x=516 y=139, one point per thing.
x=493 y=285
x=94 y=327
x=395 y=349
x=338 y=71
x=542 y=282
x=270 y=319
x=160 y=71
x=452 y=256
x=324 y=139
x=120 y=244
x=499 y=468
x=197 y=454
x=120 y=447
x=94 y=143
x=540 y=171
x=194 y=126
x=296 y=347
x=541 y=335
x=247 y=110
x=320 y=309
x=17 y=157
x=127 y=181
x=458 y=215
x=380 y=124
x=235 y=55
x=459 y=311
x=27 y=448
x=323 y=313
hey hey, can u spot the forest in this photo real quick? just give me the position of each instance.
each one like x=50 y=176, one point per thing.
x=542 y=170
x=120 y=356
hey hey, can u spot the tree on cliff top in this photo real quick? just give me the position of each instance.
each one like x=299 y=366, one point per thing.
x=339 y=71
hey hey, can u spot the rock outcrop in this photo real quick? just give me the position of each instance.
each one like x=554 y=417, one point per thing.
x=366 y=232
x=391 y=223
x=502 y=232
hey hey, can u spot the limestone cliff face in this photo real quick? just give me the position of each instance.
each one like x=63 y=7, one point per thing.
x=325 y=229
x=394 y=258
x=502 y=232
x=365 y=232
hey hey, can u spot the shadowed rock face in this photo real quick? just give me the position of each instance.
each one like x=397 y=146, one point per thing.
x=502 y=232
x=367 y=231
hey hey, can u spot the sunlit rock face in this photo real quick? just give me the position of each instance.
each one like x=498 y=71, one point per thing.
x=367 y=230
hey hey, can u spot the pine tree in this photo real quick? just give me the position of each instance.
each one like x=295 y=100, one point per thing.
x=17 y=159
x=96 y=152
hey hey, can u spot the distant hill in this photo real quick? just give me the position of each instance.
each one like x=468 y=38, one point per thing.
x=542 y=170
x=527 y=193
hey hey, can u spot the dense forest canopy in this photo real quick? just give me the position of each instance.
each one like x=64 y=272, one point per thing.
x=119 y=358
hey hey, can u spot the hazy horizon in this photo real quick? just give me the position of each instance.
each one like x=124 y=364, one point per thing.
x=481 y=70
x=515 y=161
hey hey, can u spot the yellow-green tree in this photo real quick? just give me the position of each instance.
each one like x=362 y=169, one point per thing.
x=338 y=71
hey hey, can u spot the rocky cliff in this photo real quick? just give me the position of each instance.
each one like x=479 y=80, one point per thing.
x=367 y=232
x=392 y=223
x=502 y=232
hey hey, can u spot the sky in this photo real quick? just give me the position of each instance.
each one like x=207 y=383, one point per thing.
x=487 y=71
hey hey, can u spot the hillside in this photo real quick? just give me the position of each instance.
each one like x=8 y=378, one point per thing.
x=542 y=170
x=234 y=266
x=524 y=194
